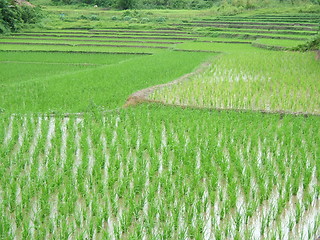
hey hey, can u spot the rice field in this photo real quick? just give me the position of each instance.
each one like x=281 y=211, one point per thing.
x=139 y=174
x=264 y=80
x=76 y=164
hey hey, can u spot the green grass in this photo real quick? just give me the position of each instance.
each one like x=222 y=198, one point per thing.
x=101 y=49
x=279 y=42
x=89 y=38
x=217 y=47
x=75 y=42
x=104 y=87
x=62 y=58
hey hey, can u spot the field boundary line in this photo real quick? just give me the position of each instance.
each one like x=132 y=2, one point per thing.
x=55 y=63
x=142 y=95
x=84 y=52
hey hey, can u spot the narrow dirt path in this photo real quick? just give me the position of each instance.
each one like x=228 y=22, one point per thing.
x=143 y=95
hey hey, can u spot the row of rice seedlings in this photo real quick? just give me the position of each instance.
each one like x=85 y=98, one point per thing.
x=128 y=175
x=247 y=81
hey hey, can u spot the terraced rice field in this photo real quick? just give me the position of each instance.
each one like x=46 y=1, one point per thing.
x=160 y=173
x=76 y=164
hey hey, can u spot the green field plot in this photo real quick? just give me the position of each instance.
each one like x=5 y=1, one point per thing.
x=75 y=42
x=102 y=87
x=39 y=66
x=160 y=172
x=214 y=46
x=63 y=58
x=262 y=27
x=162 y=38
x=90 y=39
x=260 y=80
x=274 y=19
x=223 y=40
x=246 y=22
x=264 y=31
x=79 y=49
x=233 y=33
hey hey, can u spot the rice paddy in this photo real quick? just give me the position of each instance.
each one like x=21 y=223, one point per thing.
x=229 y=152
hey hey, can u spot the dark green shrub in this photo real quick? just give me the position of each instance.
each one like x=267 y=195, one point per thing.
x=13 y=17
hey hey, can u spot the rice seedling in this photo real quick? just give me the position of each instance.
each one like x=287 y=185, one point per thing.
x=245 y=81
x=117 y=184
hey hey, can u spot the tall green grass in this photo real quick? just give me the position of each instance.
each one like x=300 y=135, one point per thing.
x=103 y=87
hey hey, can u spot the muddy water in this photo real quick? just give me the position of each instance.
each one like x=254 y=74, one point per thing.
x=78 y=158
x=35 y=139
x=64 y=136
x=22 y=134
x=91 y=155
x=8 y=134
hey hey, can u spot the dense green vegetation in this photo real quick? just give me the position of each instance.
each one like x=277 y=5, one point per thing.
x=80 y=161
x=159 y=172
x=89 y=88
x=13 y=16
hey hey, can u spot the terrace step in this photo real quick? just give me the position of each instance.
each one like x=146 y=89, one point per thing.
x=247 y=26
x=256 y=23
